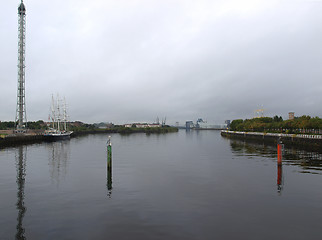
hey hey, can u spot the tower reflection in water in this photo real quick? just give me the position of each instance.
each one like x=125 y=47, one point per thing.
x=21 y=175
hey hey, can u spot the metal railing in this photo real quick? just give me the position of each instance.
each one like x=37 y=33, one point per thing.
x=307 y=136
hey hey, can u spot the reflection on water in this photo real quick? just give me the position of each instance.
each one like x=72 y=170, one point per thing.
x=109 y=167
x=309 y=162
x=162 y=186
x=21 y=174
x=279 y=178
x=280 y=149
x=59 y=154
x=109 y=181
x=241 y=148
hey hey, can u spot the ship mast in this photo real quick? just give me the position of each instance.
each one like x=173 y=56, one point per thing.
x=53 y=112
x=21 y=105
x=65 y=115
x=58 y=114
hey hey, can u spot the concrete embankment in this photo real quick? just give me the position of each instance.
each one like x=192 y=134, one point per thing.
x=309 y=142
x=18 y=139
x=37 y=136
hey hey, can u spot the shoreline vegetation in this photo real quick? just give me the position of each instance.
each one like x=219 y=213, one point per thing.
x=298 y=125
x=35 y=131
x=125 y=130
x=302 y=132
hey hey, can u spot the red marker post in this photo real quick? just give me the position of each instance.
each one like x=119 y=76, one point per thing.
x=279 y=164
x=279 y=152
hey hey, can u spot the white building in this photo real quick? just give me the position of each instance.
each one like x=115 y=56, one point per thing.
x=143 y=125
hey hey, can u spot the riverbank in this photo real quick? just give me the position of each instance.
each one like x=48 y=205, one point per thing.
x=19 y=139
x=7 y=140
x=304 y=141
x=126 y=130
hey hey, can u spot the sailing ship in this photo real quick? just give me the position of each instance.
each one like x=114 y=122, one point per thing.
x=58 y=117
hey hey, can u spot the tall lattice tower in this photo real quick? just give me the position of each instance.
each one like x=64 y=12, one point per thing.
x=21 y=104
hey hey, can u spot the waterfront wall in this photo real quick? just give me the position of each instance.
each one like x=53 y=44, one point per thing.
x=35 y=137
x=310 y=142
x=16 y=139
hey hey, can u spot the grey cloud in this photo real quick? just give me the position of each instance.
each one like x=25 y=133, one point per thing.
x=135 y=60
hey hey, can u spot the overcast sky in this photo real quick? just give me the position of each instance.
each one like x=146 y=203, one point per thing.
x=133 y=60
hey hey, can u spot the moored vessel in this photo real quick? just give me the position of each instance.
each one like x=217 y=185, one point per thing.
x=58 y=129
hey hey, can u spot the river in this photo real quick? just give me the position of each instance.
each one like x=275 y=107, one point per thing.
x=184 y=185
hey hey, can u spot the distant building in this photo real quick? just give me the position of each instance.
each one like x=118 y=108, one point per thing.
x=143 y=125
x=291 y=115
x=147 y=125
x=228 y=123
x=189 y=124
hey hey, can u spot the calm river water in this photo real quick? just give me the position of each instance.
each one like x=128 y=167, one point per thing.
x=185 y=185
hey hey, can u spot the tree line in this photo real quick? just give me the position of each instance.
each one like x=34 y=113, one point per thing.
x=30 y=125
x=79 y=127
x=303 y=124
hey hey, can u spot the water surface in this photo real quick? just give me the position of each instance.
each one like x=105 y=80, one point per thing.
x=185 y=185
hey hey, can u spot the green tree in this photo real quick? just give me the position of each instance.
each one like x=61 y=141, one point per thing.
x=277 y=119
x=235 y=123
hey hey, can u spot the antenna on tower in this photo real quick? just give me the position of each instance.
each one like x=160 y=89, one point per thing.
x=21 y=118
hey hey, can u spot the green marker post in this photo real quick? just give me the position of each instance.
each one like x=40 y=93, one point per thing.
x=109 y=166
